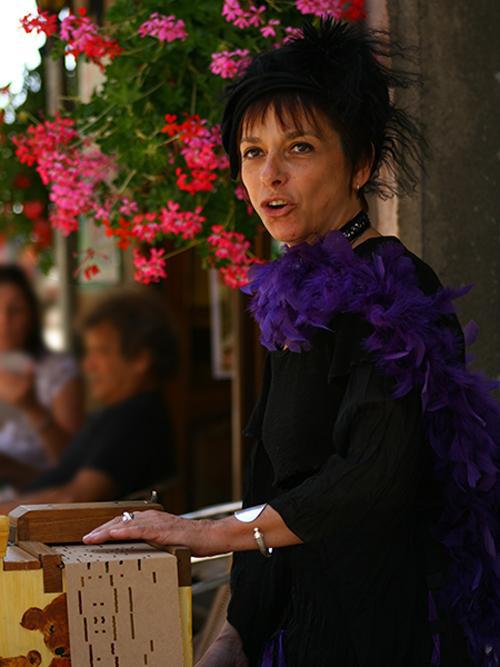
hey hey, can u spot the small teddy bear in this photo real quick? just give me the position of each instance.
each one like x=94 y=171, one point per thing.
x=33 y=659
x=52 y=621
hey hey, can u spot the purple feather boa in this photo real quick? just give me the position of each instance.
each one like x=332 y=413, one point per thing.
x=303 y=290
x=274 y=652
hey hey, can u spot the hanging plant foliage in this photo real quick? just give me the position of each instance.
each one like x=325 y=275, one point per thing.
x=143 y=158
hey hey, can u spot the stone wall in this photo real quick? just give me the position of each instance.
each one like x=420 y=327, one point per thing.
x=453 y=222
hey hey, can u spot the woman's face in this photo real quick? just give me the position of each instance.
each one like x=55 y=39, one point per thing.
x=15 y=318
x=298 y=179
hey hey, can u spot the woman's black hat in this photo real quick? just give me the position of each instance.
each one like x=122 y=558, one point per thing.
x=342 y=70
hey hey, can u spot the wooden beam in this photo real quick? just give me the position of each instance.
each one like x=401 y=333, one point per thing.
x=66 y=523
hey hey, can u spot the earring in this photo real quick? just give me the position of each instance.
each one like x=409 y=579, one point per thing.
x=358 y=186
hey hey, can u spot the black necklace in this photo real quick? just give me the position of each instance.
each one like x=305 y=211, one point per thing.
x=355 y=227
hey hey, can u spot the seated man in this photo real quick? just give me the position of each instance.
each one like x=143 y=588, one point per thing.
x=127 y=444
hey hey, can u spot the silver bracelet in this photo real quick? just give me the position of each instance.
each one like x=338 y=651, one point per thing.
x=250 y=514
x=259 y=538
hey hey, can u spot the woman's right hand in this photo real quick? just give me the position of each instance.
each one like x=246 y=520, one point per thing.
x=226 y=651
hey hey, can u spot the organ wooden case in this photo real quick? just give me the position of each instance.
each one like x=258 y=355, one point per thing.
x=63 y=603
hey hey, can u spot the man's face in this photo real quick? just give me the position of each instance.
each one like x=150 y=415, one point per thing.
x=111 y=377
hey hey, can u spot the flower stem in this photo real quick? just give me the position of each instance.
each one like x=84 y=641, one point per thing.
x=96 y=120
x=178 y=251
x=130 y=176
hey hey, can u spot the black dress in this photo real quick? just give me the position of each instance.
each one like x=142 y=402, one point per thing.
x=348 y=469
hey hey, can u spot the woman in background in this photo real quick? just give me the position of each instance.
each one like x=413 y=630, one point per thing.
x=41 y=404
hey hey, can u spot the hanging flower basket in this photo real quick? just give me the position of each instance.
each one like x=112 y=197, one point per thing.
x=143 y=158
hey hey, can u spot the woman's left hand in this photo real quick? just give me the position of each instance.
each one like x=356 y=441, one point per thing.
x=17 y=389
x=157 y=528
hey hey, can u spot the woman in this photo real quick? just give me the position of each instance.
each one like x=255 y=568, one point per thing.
x=40 y=391
x=357 y=456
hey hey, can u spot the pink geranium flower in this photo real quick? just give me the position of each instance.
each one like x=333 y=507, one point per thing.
x=269 y=30
x=186 y=224
x=233 y=12
x=164 y=28
x=320 y=7
x=83 y=37
x=145 y=227
x=128 y=207
x=72 y=171
x=150 y=269
x=232 y=250
x=228 y=64
x=200 y=150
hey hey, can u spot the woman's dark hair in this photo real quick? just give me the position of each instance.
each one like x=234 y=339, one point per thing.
x=143 y=324
x=11 y=274
x=338 y=69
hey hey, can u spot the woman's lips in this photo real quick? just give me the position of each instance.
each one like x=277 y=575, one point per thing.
x=277 y=212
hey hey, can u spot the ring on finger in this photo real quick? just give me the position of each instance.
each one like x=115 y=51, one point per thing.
x=127 y=516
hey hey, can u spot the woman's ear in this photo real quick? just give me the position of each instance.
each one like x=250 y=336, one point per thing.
x=363 y=170
x=143 y=362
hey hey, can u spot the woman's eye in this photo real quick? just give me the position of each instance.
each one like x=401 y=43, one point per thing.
x=302 y=147
x=251 y=153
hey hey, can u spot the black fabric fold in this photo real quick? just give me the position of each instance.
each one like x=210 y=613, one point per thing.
x=350 y=332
